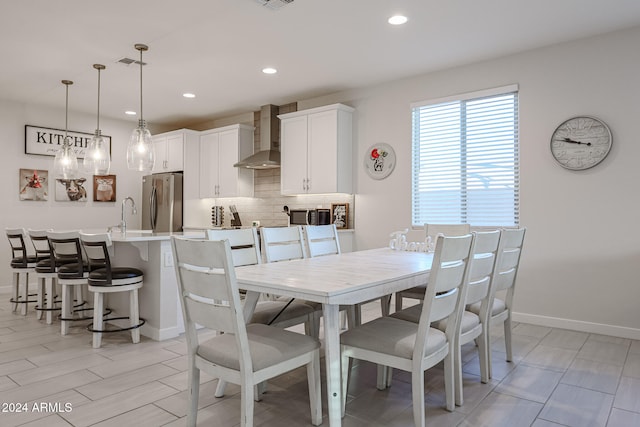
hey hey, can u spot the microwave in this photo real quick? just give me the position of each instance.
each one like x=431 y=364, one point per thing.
x=310 y=217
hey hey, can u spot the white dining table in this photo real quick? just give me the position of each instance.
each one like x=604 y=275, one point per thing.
x=334 y=280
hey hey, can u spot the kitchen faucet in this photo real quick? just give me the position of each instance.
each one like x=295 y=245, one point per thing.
x=123 y=223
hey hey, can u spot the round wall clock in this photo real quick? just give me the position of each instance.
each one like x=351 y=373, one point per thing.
x=379 y=160
x=581 y=143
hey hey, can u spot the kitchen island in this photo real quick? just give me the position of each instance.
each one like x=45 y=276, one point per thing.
x=158 y=297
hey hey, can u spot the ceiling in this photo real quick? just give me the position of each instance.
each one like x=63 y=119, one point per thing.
x=216 y=49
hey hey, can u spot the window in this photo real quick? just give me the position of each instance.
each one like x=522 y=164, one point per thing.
x=465 y=159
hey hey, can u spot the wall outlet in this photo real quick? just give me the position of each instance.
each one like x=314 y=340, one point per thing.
x=168 y=259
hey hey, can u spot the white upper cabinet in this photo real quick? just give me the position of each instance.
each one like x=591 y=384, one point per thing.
x=316 y=150
x=220 y=149
x=169 y=149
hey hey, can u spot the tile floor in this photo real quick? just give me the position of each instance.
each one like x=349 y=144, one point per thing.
x=558 y=378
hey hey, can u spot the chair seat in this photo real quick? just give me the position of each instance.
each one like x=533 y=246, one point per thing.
x=18 y=262
x=268 y=346
x=71 y=271
x=412 y=314
x=266 y=310
x=498 y=307
x=389 y=335
x=99 y=277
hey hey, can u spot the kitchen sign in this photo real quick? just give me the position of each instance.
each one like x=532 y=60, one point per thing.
x=47 y=141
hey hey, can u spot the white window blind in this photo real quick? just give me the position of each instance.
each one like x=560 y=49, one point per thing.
x=465 y=160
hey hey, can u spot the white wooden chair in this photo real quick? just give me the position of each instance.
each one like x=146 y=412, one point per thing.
x=22 y=264
x=105 y=279
x=245 y=250
x=283 y=244
x=244 y=354
x=432 y=230
x=471 y=326
x=498 y=310
x=416 y=347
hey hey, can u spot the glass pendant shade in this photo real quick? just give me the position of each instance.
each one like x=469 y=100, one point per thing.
x=97 y=159
x=140 y=151
x=65 y=164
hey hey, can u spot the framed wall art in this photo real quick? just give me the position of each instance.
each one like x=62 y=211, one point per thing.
x=104 y=188
x=71 y=190
x=340 y=215
x=33 y=184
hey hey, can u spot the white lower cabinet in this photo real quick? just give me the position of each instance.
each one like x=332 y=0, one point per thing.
x=219 y=150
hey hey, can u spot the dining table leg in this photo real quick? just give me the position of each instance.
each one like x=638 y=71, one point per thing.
x=332 y=359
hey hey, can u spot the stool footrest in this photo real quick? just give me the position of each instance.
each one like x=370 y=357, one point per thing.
x=90 y=326
x=107 y=312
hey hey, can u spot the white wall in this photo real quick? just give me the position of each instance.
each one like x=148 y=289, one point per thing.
x=52 y=214
x=581 y=260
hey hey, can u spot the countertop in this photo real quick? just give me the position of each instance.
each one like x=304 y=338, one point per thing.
x=146 y=236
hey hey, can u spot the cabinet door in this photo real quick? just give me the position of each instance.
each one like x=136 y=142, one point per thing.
x=227 y=157
x=209 y=165
x=160 y=147
x=322 y=152
x=175 y=153
x=293 y=155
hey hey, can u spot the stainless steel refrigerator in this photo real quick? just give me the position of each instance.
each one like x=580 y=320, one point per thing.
x=162 y=202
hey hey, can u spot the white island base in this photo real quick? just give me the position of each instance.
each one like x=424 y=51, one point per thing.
x=158 y=297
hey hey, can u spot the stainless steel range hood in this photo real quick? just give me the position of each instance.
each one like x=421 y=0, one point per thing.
x=268 y=157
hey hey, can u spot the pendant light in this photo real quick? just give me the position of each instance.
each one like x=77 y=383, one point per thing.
x=97 y=159
x=65 y=164
x=140 y=152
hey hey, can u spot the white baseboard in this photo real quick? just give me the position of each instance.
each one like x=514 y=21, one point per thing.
x=578 y=325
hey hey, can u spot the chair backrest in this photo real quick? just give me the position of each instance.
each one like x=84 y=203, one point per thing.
x=67 y=250
x=209 y=291
x=40 y=243
x=432 y=230
x=483 y=261
x=445 y=288
x=282 y=243
x=19 y=255
x=322 y=240
x=96 y=248
x=508 y=262
x=244 y=242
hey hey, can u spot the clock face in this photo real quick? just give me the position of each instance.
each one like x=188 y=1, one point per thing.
x=581 y=143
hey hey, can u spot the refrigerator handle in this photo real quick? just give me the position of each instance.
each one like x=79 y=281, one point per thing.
x=153 y=204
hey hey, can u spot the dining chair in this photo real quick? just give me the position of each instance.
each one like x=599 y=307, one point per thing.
x=502 y=288
x=46 y=276
x=416 y=347
x=470 y=326
x=432 y=231
x=285 y=244
x=245 y=354
x=22 y=264
x=105 y=279
x=245 y=250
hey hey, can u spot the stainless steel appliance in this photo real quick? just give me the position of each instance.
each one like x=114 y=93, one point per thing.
x=162 y=202
x=309 y=216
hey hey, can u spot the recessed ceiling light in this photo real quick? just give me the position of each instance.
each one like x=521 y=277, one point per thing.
x=269 y=70
x=130 y=113
x=189 y=95
x=397 y=20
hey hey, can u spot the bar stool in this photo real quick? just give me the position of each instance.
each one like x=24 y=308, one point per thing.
x=21 y=265
x=105 y=279
x=46 y=274
x=72 y=275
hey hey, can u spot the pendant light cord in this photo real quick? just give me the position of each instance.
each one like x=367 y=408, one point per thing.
x=98 y=123
x=141 y=116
